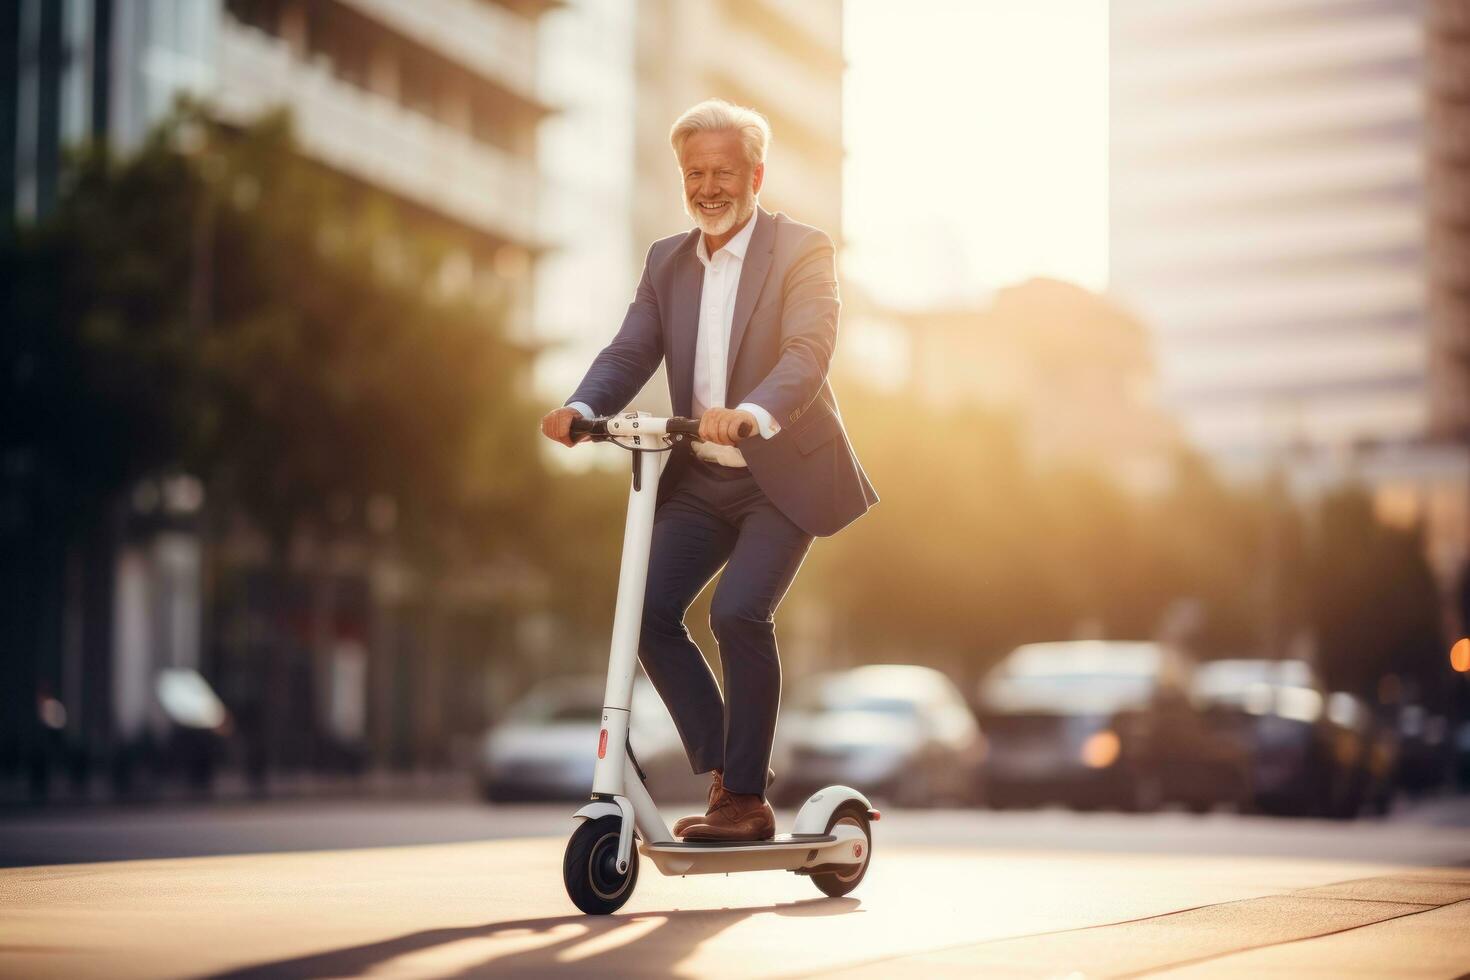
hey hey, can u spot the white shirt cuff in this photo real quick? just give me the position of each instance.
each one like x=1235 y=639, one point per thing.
x=581 y=407
x=763 y=419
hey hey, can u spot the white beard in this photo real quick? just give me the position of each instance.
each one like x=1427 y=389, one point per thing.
x=740 y=209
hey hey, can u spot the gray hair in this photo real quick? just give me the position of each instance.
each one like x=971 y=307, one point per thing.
x=717 y=115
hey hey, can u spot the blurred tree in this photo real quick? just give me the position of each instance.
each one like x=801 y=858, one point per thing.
x=325 y=370
x=952 y=560
x=976 y=547
x=1374 y=604
x=331 y=373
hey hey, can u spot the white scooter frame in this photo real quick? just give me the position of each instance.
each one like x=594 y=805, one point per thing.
x=831 y=840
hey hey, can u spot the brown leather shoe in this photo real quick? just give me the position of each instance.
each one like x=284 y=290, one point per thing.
x=716 y=793
x=739 y=816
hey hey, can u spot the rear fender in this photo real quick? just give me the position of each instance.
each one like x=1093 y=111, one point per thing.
x=817 y=811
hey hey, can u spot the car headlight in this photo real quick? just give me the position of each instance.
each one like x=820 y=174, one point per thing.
x=1101 y=749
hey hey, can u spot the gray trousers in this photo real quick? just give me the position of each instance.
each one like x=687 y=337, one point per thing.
x=716 y=516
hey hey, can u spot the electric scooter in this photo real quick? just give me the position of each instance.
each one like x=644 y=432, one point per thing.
x=832 y=840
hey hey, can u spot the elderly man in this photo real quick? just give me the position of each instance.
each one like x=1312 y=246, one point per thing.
x=743 y=310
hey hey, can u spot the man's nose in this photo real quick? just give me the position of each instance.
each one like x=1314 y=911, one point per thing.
x=708 y=187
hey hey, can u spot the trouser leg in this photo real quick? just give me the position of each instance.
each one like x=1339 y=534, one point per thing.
x=689 y=545
x=763 y=563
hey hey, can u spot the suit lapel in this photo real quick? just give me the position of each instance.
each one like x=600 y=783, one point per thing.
x=752 y=277
x=688 y=281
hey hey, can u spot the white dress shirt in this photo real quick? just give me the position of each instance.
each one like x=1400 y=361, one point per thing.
x=712 y=343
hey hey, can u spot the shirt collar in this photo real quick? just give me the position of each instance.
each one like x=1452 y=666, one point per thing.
x=736 y=246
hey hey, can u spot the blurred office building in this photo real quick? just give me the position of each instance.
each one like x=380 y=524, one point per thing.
x=584 y=283
x=434 y=103
x=1282 y=211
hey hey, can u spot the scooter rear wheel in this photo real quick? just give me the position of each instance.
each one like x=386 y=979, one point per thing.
x=839 y=883
x=590 y=867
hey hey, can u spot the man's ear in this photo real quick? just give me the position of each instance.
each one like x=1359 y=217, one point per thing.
x=757 y=177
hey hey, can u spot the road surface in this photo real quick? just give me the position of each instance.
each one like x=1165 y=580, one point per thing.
x=457 y=889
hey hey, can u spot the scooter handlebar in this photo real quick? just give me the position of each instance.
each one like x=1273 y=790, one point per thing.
x=600 y=430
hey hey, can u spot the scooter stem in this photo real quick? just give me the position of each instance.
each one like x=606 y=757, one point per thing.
x=609 y=776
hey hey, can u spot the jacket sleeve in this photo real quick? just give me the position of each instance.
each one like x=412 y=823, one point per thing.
x=809 y=311
x=629 y=360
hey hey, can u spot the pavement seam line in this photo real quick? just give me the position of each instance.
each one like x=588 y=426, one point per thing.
x=1148 y=918
x=1284 y=942
x=1002 y=939
x=1366 y=901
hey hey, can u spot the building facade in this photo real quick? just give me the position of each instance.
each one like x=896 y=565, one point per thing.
x=435 y=103
x=1267 y=182
x=1447 y=177
x=1283 y=203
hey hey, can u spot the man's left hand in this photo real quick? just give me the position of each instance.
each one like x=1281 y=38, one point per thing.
x=726 y=426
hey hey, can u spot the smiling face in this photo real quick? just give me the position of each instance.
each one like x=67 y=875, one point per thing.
x=720 y=184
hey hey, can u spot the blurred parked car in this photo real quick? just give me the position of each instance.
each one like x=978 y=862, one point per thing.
x=1095 y=722
x=1311 y=753
x=198 y=725
x=1462 y=757
x=1427 y=751
x=546 y=748
x=1368 y=750
x=1299 y=762
x=897 y=732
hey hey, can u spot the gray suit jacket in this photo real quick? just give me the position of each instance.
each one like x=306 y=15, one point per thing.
x=781 y=341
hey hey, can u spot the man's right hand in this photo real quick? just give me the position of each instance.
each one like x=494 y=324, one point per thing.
x=556 y=425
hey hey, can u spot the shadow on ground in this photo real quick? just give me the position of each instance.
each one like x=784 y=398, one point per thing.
x=642 y=943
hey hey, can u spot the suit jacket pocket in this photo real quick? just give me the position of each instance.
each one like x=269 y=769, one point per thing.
x=818 y=427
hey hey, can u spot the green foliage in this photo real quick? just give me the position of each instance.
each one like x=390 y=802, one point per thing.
x=96 y=354
x=238 y=312
x=1373 y=601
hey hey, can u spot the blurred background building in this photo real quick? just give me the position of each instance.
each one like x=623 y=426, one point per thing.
x=1267 y=174
x=433 y=103
x=1272 y=220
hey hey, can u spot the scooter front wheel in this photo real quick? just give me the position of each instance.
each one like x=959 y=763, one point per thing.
x=590 y=867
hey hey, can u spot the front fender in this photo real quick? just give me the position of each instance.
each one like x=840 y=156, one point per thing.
x=598 y=808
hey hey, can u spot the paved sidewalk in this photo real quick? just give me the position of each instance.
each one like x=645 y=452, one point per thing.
x=497 y=908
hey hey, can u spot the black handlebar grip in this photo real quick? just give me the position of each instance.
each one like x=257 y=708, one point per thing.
x=593 y=428
x=690 y=427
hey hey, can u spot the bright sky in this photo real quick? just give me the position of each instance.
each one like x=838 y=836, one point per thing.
x=976 y=135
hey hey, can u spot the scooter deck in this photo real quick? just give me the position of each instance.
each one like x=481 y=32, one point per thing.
x=780 y=840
